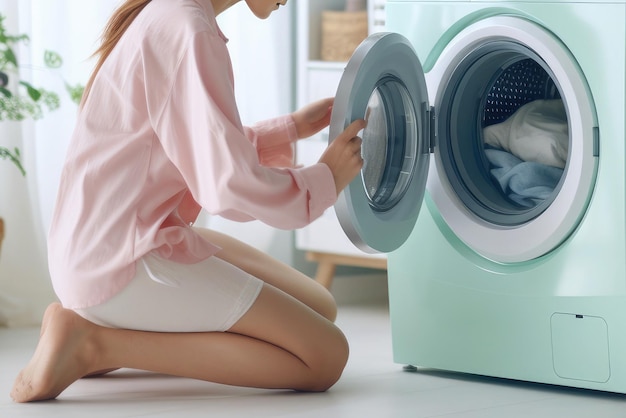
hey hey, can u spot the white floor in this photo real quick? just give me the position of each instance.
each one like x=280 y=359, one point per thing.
x=372 y=386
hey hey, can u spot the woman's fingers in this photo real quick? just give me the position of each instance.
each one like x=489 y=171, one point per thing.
x=343 y=155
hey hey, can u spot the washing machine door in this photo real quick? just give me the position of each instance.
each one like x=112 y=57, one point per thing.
x=384 y=83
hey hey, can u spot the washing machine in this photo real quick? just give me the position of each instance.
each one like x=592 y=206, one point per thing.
x=494 y=178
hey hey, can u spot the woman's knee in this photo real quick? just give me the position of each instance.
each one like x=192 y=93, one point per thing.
x=286 y=323
x=329 y=364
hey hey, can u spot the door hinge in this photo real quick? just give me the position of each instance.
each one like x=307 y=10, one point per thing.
x=432 y=129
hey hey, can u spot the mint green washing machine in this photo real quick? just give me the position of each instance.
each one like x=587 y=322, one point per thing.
x=494 y=176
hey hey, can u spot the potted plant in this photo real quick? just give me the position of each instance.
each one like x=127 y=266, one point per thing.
x=20 y=100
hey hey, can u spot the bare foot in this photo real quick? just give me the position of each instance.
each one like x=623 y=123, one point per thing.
x=102 y=372
x=63 y=355
x=47 y=315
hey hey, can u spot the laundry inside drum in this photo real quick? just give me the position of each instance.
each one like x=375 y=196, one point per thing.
x=525 y=133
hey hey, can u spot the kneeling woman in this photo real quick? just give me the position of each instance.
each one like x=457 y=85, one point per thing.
x=158 y=138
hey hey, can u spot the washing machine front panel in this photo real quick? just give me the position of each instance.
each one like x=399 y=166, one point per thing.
x=452 y=309
x=384 y=84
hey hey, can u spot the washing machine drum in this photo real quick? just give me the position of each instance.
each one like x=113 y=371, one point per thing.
x=512 y=133
x=505 y=154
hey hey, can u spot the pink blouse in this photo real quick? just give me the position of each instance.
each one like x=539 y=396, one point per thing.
x=158 y=138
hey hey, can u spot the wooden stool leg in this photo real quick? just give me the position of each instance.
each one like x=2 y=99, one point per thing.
x=327 y=263
x=325 y=273
x=1 y=232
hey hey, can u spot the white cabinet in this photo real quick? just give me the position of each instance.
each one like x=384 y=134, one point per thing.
x=317 y=79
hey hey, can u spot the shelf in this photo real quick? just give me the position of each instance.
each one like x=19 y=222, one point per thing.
x=326 y=65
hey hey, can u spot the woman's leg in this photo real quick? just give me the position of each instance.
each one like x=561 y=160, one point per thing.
x=279 y=343
x=274 y=272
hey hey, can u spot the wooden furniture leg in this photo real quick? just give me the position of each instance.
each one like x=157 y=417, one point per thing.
x=325 y=273
x=327 y=264
x=1 y=232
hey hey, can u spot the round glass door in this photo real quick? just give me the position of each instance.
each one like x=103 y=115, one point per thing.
x=389 y=145
x=384 y=84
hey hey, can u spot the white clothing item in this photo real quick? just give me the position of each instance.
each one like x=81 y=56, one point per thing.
x=165 y=296
x=536 y=132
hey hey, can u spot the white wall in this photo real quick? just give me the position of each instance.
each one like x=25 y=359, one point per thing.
x=261 y=50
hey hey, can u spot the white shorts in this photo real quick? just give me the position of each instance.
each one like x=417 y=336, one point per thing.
x=165 y=296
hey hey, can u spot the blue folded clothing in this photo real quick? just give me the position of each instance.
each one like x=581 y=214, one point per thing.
x=526 y=183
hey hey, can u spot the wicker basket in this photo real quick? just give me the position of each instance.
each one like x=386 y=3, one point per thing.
x=342 y=32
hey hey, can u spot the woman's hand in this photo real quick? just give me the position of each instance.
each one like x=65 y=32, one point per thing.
x=312 y=118
x=343 y=155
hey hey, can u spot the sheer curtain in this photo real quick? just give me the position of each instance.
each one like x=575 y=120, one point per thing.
x=70 y=27
x=261 y=53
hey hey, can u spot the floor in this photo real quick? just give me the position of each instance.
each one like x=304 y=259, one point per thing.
x=372 y=386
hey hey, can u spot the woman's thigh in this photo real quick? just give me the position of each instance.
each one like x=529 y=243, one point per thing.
x=273 y=272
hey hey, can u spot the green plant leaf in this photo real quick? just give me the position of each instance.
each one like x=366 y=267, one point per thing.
x=9 y=56
x=14 y=157
x=50 y=99
x=75 y=92
x=6 y=92
x=33 y=93
x=52 y=59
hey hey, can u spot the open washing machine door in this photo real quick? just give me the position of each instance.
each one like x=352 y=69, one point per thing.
x=384 y=83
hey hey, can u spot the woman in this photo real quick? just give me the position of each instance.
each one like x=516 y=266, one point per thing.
x=158 y=137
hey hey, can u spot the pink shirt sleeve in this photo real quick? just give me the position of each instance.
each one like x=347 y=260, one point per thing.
x=273 y=140
x=231 y=170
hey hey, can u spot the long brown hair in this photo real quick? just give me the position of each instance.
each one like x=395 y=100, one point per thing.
x=113 y=31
